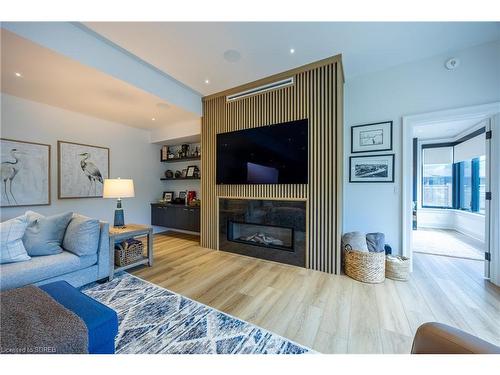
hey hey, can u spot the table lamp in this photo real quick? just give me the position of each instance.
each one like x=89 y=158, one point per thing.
x=118 y=188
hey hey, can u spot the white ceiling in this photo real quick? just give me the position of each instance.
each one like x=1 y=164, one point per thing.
x=447 y=130
x=51 y=78
x=194 y=52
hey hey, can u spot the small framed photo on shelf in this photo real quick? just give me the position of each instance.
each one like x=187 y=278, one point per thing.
x=190 y=171
x=168 y=196
x=377 y=168
x=371 y=137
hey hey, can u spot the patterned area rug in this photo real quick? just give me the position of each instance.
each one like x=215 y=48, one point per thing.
x=155 y=320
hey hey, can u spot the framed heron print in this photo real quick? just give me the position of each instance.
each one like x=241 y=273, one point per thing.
x=371 y=137
x=25 y=170
x=81 y=170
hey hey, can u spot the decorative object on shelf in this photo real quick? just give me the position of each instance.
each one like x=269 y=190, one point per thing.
x=168 y=196
x=25 y=173
x=170 y=154
x=197 y=173
x=195 y=203
x=371 y=137
x=128 y=251
x=397 y=267
x=82 y=170
x=196 y=152
x=191 y=194
x=178 y=174
x=379 y=168
x=169 y=174
x=164 y=153
x=119 y=188
x=182 y=196
x=185 y=150
x=190 y=170
x=184 y=173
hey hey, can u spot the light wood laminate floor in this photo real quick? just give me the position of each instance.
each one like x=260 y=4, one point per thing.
x=447 y=243
x=329 y=313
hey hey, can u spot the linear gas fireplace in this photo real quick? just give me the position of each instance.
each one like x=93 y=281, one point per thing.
x=268 y=229
x=262 y=235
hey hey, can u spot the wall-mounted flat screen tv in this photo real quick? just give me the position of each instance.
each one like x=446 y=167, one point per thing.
x=275 y=154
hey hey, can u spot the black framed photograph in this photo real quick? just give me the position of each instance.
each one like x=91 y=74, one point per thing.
x=168 y=196
x=377 y=168
x=190 y=171
x=371 y=137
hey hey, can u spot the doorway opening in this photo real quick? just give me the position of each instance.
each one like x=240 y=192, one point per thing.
x=447 y=197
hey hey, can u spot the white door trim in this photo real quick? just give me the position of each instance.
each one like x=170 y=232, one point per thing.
x=409 y=122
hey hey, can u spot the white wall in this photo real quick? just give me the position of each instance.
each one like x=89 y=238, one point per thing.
x=131 y=156
x=186 y=131
x=469 y=223
x=412 y=88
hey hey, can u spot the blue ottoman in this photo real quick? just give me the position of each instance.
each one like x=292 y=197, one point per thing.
x=101 y=321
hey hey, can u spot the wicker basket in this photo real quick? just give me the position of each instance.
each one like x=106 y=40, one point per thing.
x=397 y=267
x=364 y=266
x=128 y=252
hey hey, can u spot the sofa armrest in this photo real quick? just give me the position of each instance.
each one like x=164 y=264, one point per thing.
x=437 y=338
x=103 y=251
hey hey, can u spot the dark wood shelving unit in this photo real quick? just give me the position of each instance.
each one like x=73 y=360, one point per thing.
x=176 y=160
x=179 y=179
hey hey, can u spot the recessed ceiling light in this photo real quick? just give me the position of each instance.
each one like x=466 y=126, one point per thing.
x=207 y=81
x=292 y=51
x=18 y=74
x=153 y=119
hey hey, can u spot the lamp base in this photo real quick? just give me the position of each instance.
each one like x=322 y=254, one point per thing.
x=119 y=221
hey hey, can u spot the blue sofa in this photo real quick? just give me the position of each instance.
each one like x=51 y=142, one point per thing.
x=76 y=270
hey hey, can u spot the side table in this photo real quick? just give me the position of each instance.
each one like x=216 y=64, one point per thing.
x=127 y=232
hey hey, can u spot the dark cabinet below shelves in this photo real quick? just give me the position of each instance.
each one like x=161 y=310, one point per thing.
x=176 y=217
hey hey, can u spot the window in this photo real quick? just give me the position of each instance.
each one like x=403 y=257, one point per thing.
x=482 y=184
x=471 y=183
x=437 y=185
x=465 y=185
x=459 y=185
x=437 y=177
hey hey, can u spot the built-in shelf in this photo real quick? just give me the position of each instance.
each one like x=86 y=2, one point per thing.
x=179 y=179
x=176 y=160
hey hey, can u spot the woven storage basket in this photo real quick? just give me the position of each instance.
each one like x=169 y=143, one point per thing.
x=364 y=266
x=128 y=252
x=397 y=267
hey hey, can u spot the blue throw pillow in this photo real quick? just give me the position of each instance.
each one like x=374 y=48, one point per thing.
x=11 y=244
x=45 y=234
x=82 y=235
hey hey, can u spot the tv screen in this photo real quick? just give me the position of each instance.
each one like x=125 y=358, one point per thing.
x=275 y=154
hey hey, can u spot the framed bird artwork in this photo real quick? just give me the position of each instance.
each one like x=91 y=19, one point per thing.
x=25 y=171
x=81 y=170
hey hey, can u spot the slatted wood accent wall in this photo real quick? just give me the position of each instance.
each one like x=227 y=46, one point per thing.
x=316 y=95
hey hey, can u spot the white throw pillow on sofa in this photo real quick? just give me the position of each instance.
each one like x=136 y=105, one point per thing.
x=11 y=243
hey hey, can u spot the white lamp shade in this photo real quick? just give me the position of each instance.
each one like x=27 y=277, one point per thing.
x=118 y=188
